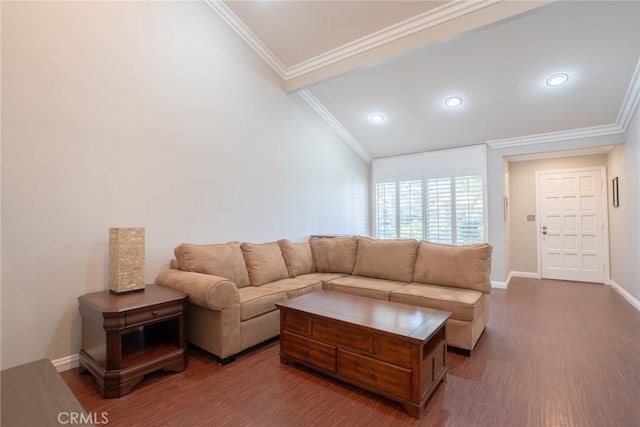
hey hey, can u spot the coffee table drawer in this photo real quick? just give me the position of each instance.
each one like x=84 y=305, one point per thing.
x=393 y=351
x=296 y=324
x=342 y=337
x=308 y=351
x=378 y=375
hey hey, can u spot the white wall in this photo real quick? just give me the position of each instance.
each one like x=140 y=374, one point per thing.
x=624 y=229
x=153 y=115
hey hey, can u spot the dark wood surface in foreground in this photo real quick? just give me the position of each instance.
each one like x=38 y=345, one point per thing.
x=33 y=394
x=554 y=354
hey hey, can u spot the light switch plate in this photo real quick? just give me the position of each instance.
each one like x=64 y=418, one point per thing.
x=531 y=217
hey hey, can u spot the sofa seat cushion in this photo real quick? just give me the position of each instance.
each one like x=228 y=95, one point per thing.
x=386 y=259
x=294 y=287
x=298 y=257
x=464 y=304
x=255 y=300
x=224 y=260
x=364 y=286
x=334 y=254
x=265 y=263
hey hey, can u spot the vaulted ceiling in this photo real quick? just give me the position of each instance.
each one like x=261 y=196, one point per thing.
x=402 y=59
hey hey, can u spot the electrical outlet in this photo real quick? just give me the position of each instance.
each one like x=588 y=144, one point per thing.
x=531 y=217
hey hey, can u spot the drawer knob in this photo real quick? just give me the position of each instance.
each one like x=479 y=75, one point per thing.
x=154 y=312
x=370 y=374
x=305 y=351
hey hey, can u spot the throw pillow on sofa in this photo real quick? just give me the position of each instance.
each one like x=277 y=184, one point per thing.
x=466 y=266
x=265 y=263
x=334 y=254
x=297 y=257
x=224 y=260
x=386 y=259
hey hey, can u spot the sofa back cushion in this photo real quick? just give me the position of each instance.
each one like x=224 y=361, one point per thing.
x=467 y=266
x=334 y=254
x=224 y=260
x=297 y=257
x=386 y=259
x=264 y=262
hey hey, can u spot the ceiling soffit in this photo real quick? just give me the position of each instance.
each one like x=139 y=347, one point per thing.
x=447 y=20
x=296 y=31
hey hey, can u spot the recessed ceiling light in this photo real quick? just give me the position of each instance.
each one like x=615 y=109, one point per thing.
x=558 y=79
x=454 y=101
x=376 y=118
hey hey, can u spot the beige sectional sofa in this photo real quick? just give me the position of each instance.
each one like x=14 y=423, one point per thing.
x=233 y=287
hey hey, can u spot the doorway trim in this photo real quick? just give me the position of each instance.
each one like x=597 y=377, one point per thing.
x=604 y=183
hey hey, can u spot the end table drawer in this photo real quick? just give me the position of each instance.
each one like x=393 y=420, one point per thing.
x=149 y=314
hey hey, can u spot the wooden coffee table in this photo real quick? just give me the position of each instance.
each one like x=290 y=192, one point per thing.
x=395 y=350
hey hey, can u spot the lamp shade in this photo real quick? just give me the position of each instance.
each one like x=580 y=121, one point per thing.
x=126 y=259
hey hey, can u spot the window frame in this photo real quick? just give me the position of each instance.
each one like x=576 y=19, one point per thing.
x=445 y=165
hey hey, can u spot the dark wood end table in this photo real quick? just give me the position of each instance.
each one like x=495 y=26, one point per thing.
x=125 y=337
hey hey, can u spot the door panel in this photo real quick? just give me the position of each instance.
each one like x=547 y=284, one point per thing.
x=571 y=226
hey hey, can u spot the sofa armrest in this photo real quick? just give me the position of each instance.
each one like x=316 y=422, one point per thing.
x=205 y=290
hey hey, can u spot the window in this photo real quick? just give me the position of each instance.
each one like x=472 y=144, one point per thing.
x=438 y=196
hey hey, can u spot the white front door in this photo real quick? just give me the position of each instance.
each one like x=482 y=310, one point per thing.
x=571 y=225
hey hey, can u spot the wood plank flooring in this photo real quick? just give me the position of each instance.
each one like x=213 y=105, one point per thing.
x=554 y=354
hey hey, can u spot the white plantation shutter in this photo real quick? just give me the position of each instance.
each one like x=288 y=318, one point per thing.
x=437 y=196
x=410 y=209
x=469 y=210
x=439 y=221
x=386 y=210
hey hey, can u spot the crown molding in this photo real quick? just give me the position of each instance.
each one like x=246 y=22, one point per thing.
x=229 y=18
x=631 y=100
x=421 y=22
x=335 y=124
x=627 y=109
x=589 y=151
x=555 y=136
x=447 y=12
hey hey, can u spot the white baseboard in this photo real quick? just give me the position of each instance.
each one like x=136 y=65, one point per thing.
x=498 y=285
x=626 y=295
x=512 y=274
x=525 y=274
x=66 y=363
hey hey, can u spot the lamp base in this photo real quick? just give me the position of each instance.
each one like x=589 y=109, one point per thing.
x=126 y=291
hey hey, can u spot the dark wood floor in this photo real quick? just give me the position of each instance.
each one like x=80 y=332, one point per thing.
x=554 y=354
